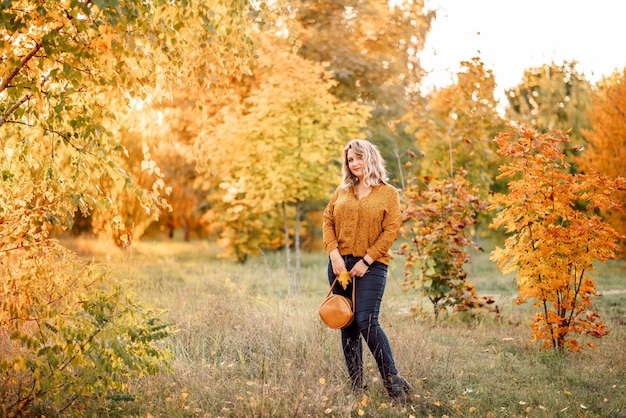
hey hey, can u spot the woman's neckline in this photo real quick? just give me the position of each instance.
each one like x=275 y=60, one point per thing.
x=355 y=191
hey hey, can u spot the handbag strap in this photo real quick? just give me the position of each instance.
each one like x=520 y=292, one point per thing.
x=353 y=288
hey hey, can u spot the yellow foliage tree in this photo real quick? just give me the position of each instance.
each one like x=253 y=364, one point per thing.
x=372 y=48
x=606 y=139
x=552 y=97
x=455 y=128
x=69 y=334
x=553 y=244
x=272 y=151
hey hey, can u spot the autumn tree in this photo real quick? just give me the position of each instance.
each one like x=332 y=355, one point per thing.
x=606 y=138
x=552 y=97
x=165 y=129
x=372 y=50
x=446 y=187
x=553 y=245
x=275 y=149
x=453 y=129
x=70 y=336
x=158 y=155
x=456 y=126
x=132 y=216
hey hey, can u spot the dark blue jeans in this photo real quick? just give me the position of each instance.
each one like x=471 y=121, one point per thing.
x=368 y=297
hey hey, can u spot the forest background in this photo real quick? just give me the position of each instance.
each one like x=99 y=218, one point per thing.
x=127 y=121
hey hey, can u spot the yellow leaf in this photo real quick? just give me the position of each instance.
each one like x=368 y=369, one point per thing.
x=322 y=381
x=344 y=279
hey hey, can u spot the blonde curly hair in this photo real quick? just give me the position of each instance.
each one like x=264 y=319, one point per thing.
x=374 y=170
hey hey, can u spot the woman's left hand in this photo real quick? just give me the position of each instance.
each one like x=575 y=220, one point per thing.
x=359 y=269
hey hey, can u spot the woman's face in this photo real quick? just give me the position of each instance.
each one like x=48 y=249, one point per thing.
x=355 y=164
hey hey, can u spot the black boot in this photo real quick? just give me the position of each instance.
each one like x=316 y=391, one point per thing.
x=398 y=388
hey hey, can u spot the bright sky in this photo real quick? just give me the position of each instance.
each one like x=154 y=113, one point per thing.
x=512 y=35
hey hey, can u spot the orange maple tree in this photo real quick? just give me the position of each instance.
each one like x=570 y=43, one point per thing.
x=606 y=139
x=553 y=242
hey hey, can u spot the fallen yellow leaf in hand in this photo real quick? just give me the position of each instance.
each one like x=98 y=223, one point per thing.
x=344 y=279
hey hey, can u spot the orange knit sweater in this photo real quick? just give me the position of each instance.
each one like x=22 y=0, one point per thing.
x=366 y=226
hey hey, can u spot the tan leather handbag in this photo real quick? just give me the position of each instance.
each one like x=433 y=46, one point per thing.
x=337 y=311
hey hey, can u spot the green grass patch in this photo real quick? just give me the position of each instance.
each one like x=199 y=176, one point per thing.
x=247 y=347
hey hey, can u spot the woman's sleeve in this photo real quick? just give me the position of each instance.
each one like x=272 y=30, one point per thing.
x=329 y=237
x=392 y=221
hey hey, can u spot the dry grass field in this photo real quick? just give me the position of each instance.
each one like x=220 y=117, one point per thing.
x=245 y=347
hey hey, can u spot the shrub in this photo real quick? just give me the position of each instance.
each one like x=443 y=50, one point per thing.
x=556 y=234
x=437 y=231
x=70 y=335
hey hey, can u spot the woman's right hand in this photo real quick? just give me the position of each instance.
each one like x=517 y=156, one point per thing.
x=338 y=265
x=337 y=262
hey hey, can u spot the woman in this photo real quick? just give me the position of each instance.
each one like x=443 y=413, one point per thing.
x=361 y=222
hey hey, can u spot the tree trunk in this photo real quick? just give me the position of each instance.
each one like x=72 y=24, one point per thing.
x=187 y=232
x=287 y=249
x=296 y=246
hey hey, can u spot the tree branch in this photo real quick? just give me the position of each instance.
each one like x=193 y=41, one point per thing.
x=17 y=69
x=4 y=117
x=5 y=82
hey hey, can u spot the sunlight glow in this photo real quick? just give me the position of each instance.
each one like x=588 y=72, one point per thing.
x=512 y=36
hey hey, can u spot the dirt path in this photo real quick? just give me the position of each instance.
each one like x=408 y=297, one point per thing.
x=612 y=292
